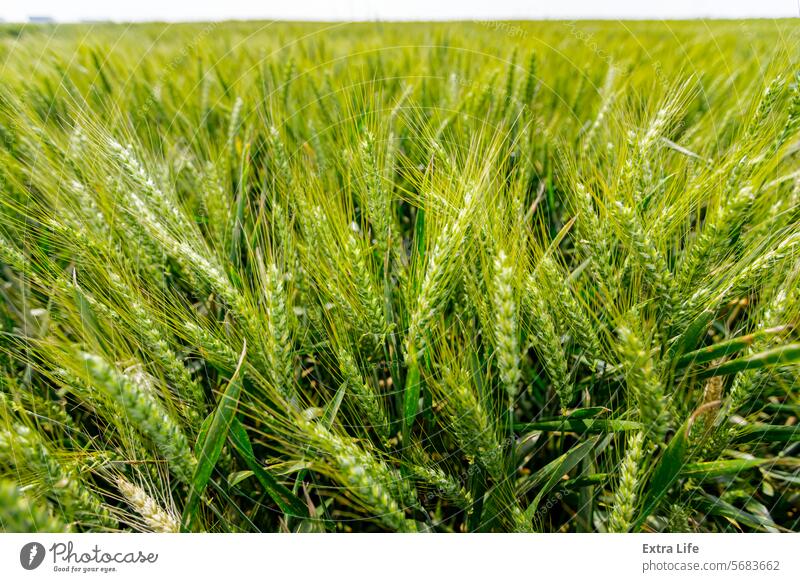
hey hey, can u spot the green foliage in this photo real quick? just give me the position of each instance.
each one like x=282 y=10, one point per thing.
x=486 y=282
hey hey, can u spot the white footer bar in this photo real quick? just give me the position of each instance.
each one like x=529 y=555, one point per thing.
x=387 y=557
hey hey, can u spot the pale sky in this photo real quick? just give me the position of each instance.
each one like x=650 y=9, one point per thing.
x=74 y=10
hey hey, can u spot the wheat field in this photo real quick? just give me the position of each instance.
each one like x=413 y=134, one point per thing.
x=455 y=277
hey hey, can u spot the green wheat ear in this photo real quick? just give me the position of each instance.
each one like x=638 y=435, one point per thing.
x=623 y=508
x=478 y=294
x=75 y=499
x=644 y=384
x=547 y=343
x=371 y=480
x=506 y=330
x=146 y=414
x=19 y=514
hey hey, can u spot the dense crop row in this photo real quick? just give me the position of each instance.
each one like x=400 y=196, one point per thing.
x=454 y=277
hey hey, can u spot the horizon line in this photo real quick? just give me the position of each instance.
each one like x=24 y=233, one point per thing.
x=41 y=20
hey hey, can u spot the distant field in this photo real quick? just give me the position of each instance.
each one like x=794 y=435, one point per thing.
x=485 y=276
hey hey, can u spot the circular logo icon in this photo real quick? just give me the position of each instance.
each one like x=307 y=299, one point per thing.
x=31 y=555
